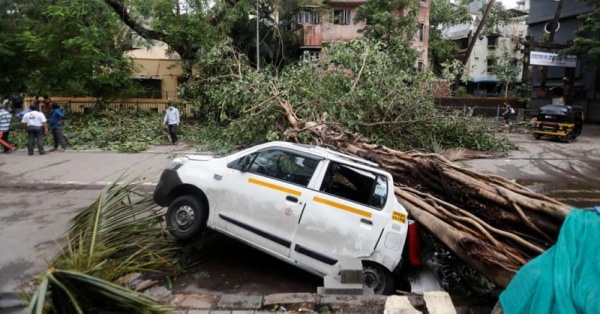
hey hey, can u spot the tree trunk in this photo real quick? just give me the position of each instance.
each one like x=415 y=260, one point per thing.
x=491 y=223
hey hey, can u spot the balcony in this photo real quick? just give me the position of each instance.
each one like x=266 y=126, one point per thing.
x=310 y=35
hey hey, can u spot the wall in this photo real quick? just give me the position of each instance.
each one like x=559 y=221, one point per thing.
x=155 y=63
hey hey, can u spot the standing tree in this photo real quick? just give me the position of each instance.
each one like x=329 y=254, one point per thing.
x=67 y=47
x=587 y=40
x=506 y=68
x=443 y=15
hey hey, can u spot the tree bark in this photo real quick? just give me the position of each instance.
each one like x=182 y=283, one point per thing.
x=492 y=224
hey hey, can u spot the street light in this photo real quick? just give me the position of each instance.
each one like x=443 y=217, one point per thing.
x=257 y=39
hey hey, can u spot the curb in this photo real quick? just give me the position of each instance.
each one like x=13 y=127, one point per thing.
x=69 y=185
x=430 y=302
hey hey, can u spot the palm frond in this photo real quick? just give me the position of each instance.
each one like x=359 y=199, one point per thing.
x=73 y=292
x=119 y=233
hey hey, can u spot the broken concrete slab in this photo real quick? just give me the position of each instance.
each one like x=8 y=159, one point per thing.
x=240 y=302
x=399 y=304
x=358 y=303
x=195 y=301
x=291 y=301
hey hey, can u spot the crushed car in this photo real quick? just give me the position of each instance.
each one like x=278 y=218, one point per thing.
x=306 y=205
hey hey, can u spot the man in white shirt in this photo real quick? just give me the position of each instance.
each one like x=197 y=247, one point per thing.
x=172 y=120
x=35 y=123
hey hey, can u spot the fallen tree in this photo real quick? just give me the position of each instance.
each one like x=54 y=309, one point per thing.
x=359 y=100
x=491 y=223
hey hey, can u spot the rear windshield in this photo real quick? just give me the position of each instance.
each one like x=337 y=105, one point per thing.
x=554 y=117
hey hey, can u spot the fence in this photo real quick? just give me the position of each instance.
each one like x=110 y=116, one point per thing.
x=493 y=114
x=85 y=105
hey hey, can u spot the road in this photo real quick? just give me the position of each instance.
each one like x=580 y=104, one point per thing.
x=30 y=223
x=39 y=194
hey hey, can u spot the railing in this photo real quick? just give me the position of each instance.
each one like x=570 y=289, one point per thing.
x=85 y=105
x=493 y=114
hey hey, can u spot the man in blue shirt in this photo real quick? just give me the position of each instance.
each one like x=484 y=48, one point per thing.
x=57 y=127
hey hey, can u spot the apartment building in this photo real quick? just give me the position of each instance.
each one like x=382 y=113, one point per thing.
x=505 y=45
x=321 y=22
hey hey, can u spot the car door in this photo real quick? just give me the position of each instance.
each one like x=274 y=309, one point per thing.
x=344 y=217
x=265 y=194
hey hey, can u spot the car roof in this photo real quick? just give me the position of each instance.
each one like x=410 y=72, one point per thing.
x=560 y=108
x=328 y=154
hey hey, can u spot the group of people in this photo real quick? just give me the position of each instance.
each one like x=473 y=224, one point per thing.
x=36 y=125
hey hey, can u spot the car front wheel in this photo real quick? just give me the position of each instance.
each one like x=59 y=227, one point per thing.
x=378 y=278
x=185 y=217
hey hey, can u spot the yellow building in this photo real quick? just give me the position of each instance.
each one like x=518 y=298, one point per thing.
x=157 y=71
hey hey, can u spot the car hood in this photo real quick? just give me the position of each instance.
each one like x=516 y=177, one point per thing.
x=200 y=157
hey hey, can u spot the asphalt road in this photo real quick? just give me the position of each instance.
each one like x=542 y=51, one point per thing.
x=30 y=223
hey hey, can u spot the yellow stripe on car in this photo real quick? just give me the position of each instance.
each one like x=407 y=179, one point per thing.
x=274 y=187
x=342 y=206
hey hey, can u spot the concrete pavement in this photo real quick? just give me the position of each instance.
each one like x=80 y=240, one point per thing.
x=84 y=169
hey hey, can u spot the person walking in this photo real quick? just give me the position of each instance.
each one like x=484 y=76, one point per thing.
x=5 y=117
x=172 y=121
x=35 y=124
x=508 y=111
x=57 y=127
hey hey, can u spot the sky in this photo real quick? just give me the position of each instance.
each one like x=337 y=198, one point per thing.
x=509 y=4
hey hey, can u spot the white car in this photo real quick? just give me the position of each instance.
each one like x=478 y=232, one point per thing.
x=303 y=204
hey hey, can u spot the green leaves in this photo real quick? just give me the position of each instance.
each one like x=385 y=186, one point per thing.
x=363 y=86
x=120 y=233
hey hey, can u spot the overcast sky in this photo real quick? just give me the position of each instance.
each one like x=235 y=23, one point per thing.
x=509 y=4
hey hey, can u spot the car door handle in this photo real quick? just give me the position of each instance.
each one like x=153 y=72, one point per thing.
x=291 y=199
x=366 y=221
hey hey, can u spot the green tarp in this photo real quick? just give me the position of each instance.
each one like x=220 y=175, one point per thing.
x=565 y=278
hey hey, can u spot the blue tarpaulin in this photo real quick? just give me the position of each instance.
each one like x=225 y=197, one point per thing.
x=565 y=278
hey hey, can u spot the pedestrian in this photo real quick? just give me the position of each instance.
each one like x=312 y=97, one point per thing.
x=57 y=127
x=172 y=121
x=46 y=105
x=5 y=117
x=508 y=111
x=35 y=124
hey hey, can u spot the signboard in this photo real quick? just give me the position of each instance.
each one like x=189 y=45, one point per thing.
x=552 y=59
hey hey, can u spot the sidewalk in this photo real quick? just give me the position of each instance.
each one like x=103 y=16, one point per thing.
x=92 y=169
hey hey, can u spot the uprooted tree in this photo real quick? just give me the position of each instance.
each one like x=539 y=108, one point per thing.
x=357 y=100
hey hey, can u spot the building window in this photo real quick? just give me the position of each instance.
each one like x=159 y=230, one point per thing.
x=492 y=41
x=421 y=32
x=310 y=55
x=420 y=66
x=148 y=88
x=340 y=16
x=491 y=62
x=307 y=17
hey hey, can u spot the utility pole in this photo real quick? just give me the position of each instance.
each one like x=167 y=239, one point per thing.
x=257 y=37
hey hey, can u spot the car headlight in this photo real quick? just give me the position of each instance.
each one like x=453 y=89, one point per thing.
x=177 y=163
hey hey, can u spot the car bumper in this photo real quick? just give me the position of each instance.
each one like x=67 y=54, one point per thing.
x=169 y=180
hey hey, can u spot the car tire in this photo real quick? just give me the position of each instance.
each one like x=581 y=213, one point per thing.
x=537 y=136
x=378 y=278
x=185 y=217
x=569 y=138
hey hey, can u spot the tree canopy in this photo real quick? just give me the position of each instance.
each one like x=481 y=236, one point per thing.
x=587 y=39
x=67 y=47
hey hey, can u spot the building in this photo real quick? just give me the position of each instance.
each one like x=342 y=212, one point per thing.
x=317 y=26
x=576 y=84
x=504 y=45
x=157 y=71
